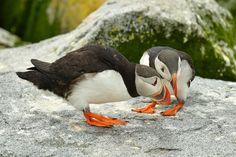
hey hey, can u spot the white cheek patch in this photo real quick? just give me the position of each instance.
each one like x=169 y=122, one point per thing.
x=144 y=59
x=184 y=74
x=158 y=65
x=142 y=87
x=146 y=89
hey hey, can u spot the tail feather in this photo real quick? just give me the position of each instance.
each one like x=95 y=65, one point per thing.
x=37 y=78
x=38 y=74
x=40 y=65
x=32 y=68
x=41 y=76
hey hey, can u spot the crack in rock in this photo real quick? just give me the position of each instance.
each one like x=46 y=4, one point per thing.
x=162 y=149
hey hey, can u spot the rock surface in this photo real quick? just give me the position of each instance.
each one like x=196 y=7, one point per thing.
x=38 y=123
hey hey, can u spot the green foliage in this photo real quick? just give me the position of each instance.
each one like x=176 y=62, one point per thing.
x=11 y=13
x=36 y=25
x=28 y=19
x=35 y=20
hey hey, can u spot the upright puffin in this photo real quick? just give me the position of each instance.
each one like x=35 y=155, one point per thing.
x=174 y=66
x=96 y=74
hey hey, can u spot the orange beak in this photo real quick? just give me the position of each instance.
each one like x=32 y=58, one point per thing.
x=166 y=99
x=174 y=83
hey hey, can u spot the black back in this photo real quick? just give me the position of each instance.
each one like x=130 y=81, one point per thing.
x=89 y=59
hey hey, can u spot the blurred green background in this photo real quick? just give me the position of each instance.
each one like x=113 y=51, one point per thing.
x=35 y=20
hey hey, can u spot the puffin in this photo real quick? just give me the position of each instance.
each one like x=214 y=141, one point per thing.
x=177 y=68
x=95 y=74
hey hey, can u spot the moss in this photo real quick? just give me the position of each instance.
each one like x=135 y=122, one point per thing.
x=135 y=39
x=221 y=36
x=231 y=6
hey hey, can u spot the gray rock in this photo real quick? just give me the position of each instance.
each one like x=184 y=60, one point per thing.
x=7 y=39
x=38 y=123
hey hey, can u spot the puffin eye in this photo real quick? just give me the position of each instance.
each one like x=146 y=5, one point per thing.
x=162 y=69
x=188 y=83
x=155 y=82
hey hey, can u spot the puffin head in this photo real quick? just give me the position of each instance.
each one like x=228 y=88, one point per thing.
x=178 y=72
x=185 y=76
x=149 y=83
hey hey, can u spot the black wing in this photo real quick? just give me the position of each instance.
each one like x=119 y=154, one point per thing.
x=89 y=59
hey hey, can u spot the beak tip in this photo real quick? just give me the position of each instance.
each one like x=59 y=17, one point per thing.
x=174 y=83
x=167 y=98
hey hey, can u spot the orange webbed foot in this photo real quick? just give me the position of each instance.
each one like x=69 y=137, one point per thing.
x=102 y=121
x=173 y=111
x=148 y=109
x=97 y=123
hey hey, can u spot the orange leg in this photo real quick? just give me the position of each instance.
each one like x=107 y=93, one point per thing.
x=173 y=111
x=101 y=121
x=148 y=109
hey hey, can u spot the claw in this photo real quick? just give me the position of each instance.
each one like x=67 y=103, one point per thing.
x=148 y=109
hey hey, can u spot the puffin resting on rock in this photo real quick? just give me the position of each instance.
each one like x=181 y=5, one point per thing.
x=95 y=74
x=174 y=66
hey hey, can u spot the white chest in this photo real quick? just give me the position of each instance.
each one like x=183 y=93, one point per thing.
x=103 y=87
